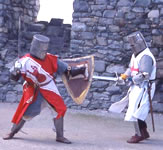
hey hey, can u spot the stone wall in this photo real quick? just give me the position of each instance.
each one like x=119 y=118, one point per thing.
x=16 y=37
x=100 y=28
x=59 y=35
x=10 y=11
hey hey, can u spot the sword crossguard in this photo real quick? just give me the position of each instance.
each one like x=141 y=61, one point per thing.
x=119 y=81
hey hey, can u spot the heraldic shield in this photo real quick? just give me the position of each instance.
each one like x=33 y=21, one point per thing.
x=78 y=86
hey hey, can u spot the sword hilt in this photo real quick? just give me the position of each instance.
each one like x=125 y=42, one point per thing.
x=119 y=81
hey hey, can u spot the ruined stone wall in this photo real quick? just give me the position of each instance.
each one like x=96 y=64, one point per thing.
x=11 y=48
x=10 y=11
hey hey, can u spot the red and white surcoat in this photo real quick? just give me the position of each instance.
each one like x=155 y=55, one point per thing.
x=38 y=75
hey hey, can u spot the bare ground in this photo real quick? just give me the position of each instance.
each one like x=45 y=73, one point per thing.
x=88 y=130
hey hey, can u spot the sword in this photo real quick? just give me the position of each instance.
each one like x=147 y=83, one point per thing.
x=105 y=78
x=115 y=79
x=19 y=36
x=151 y=108
x=18 y=64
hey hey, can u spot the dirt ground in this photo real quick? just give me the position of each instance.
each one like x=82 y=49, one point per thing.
x=88 y=130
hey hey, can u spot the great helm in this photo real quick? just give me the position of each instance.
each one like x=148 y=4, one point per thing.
x=39 y=46
x=137 y=42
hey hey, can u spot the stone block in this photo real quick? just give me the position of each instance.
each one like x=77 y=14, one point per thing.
x=11 y=96
x=124 y=3
x=80 y=6
x=87 y=35
x=158 y=40
x=109 y=13
x=153 y=14
x=116 y=68
x=36 y=27
x=159 y=73
x=100 y=66
x=77 y=26
x=158 y=107
x=102 y=41
x=56 y=22
x=55 y=31
x=143 y=3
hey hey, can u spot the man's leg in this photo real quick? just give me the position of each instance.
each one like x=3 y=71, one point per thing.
x=59 y=131
x=15 y=129
x=138 y=136
x=143 y=129
x=33 y=110
x=57 y=103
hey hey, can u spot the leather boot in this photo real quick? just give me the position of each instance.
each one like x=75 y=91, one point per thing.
x=15 y=129
x=59 y=131
x=135 y=139
x=145 y=133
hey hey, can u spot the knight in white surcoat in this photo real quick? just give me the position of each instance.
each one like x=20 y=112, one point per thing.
x=142 y=73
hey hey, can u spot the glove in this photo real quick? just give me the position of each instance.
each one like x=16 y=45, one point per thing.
x=73 y=72
x=124 y=76
x=121 y=80
x=17 y=65
x=15 y=71
x=138 y=79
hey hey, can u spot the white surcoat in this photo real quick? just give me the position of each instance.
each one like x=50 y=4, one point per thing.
x=137 y=96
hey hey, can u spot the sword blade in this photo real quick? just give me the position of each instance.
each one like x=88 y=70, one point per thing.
x=19 y=37
x=105 y=78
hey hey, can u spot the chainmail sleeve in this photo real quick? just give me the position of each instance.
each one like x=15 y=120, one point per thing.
x=146 y=64
x=62 y=67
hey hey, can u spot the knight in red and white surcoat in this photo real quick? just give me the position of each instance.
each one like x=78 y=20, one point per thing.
x=39 y=89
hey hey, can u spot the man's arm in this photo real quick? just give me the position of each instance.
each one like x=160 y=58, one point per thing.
x=15 y=72
x=146 y=64
x=145 y=70
x=62 y=67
